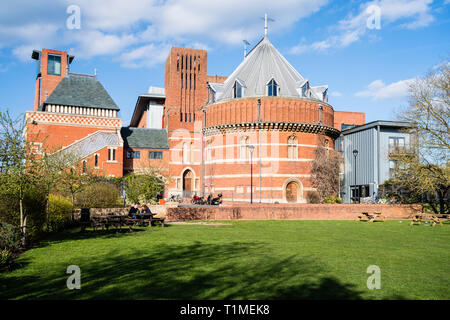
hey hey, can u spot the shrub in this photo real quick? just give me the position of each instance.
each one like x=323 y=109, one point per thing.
x=99 y=195
x=332 y=199
x=143 y=188
x=9 y=237
x=6 y=257
x=313 y=197
x=60 y=212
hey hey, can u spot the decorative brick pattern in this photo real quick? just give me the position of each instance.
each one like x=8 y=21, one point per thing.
x=71 y=119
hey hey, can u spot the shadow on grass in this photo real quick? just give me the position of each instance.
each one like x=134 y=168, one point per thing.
x=195 y=271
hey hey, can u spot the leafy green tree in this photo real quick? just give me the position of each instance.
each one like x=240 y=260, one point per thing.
x=424 y=168
x=143 y=187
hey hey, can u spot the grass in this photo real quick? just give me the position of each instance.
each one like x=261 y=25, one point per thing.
x=244 y=260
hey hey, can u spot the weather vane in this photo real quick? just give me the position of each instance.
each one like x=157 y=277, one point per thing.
x=266 y=19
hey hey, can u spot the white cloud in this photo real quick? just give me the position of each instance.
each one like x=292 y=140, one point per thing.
x=335 y=94
x=147 y=55
x=93 y=43
x=132 y=30
x=410 y=14
x=378 y=90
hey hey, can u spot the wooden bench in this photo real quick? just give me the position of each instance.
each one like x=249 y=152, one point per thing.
x=419 y=217
x=365 y=216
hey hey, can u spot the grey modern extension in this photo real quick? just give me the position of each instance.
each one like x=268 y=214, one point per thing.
x=366 y=150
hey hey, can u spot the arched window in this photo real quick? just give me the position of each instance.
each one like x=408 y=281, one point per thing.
x=84 y=166
x=272 y=88
x=243 y=152
x=292 y=147
x=237 y=90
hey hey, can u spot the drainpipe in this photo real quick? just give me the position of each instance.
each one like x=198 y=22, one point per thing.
x=203 y=153
x=259 y=138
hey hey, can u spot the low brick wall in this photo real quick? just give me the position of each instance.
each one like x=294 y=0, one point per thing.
x=159 y=210
x=290 y=212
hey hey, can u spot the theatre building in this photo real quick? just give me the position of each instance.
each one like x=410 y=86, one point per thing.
x=251 y=135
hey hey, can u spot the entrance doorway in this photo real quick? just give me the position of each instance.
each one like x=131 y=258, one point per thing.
x=188 y=182
x=292 y=190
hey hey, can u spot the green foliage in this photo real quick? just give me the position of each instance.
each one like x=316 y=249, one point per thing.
x=60 y=212
x=6 y=257
x=332 y=199
x=143 y=188
x=9 y=237
x=313 y=197
x=99 y=195
x=34 y=204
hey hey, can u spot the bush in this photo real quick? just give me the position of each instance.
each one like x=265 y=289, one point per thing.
x=99 y=195
x=143 y=188
x=60 y=212
x=9 y=237
x=313 y=197
x=332 y=199
x=6 y=258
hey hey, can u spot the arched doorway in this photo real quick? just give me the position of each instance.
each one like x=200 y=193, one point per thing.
x=188 y=182
x=292 y=192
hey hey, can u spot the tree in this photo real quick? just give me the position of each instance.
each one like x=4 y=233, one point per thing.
x=424 y=168
x=325 y=170
x=146 y=185
x=18 y=164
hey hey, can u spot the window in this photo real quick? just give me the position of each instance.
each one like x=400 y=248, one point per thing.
x=292 y=147
x=396 y=144
x=96 y=160
x=305 y=90
x=84 y=166
x=54 y=64
x=237 y=90
x=133 y=154
x=155 y=155
x=272 y=88
x=111 y=154
x=244 y=142
x=392 y=166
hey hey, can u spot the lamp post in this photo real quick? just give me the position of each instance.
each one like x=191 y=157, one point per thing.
x=355 y=154
x=251 y=148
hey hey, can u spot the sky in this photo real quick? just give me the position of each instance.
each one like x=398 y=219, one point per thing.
x=367 y=52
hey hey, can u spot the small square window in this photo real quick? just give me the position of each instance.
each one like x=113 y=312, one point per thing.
x=155 y=155
x=133 y=154
x=54 y=64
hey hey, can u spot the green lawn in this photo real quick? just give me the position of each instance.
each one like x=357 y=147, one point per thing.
x=245 y=260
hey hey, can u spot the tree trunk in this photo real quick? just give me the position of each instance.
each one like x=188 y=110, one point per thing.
x=23 y=222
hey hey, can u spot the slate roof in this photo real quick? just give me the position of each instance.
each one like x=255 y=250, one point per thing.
x=80 y=90
x=91 y=143
x=143 y=138
x=261 y=64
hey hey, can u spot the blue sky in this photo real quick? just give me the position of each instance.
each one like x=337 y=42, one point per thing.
x=329 y=42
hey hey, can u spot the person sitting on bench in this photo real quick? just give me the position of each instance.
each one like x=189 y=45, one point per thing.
x=133 y=211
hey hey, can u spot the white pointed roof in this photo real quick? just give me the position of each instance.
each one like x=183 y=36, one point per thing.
x=263 y=63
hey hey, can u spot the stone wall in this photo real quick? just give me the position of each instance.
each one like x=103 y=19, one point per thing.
x=290 y=212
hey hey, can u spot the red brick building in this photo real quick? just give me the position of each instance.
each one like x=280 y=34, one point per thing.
x=73 y=112
x=250 y=136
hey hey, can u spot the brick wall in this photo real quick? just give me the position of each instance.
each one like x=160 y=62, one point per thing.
x=273 y=109
x=290 y=212
x=356 y=118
